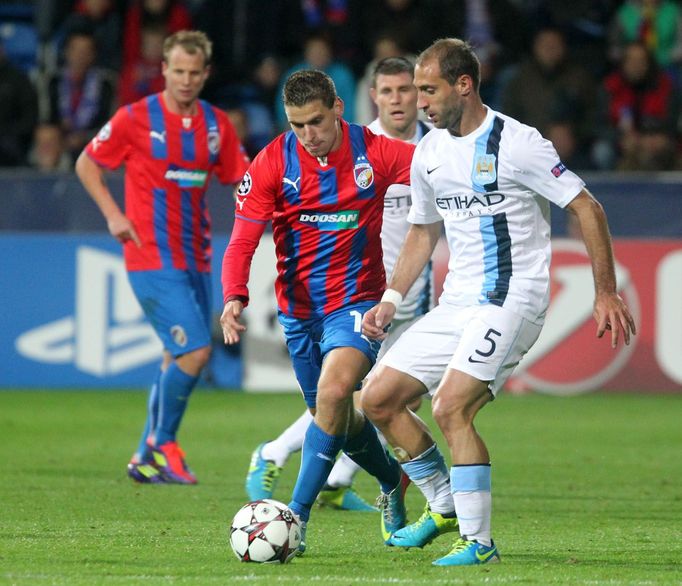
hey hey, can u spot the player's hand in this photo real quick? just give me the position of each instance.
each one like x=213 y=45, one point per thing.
x=376 y=321
x=121 y=228
x=611 y=313
x=229 y=321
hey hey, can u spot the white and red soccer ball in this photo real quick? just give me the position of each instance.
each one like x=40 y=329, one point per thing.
x=265 y=531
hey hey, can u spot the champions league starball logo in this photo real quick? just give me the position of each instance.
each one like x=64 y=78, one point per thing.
x=105 y=132
x=245 y=185
x=102 y=136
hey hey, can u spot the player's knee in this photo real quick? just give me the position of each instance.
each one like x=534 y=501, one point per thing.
x=197 y=359
x=449 y=413
x=334 y=394
x=376 y=403
x=415 y=404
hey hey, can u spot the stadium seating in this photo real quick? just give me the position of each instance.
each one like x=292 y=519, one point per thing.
x=18 y=35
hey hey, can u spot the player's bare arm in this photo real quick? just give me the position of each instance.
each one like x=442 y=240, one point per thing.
x=420 y=241
x=230 y=323
x=610 y=311
x=92 y=178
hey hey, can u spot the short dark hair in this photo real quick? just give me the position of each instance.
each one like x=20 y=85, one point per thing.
x=308 y=85
x=392 y=66
x=455 y=58
x=81 y=32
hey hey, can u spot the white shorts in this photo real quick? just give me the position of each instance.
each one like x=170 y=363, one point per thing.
x=484 y=341
x=397 y=329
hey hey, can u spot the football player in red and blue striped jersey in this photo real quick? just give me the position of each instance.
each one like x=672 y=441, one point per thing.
x=322 y=185
x=170 y=144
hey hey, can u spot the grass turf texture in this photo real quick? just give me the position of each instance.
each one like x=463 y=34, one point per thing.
x=587 y=490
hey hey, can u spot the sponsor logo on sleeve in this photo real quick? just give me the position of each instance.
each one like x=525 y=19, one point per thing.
x=558 y=169
x=102 y=136
x=245 y=185
x=105 y=132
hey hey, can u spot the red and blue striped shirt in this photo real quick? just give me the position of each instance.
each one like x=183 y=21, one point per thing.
x=326 y=220
x=169 y=159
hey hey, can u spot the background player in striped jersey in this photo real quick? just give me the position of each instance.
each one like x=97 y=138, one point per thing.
x=322 y=184
x=395 y=96
x=490 y=180
x=170 y=144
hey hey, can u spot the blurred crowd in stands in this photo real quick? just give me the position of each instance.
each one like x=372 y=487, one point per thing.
x=601 y=79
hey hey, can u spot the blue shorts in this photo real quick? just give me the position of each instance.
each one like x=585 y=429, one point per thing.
x=178 y=305
x=309 y=341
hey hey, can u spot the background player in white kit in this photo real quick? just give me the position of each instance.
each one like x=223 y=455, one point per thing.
x=490 y=180
x=395 y=95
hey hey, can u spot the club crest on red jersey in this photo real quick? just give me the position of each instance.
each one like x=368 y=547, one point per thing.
x=213 y=142
x=363 y=173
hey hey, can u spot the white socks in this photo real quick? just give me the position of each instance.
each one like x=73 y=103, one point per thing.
x=288 y=442
x=473 y=501
x=343 y=472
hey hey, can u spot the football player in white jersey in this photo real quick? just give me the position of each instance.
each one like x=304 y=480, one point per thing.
x=395 y=95
x=489 y=179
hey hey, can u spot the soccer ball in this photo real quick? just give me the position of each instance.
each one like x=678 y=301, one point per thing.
x=265 y=531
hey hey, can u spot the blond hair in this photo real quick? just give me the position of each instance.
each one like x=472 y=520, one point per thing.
x=191 y=42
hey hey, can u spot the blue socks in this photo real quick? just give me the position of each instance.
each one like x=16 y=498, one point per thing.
x=366 y=450
x=143 y=453
x=317 y=459
x=174 y=390
x=319 y=455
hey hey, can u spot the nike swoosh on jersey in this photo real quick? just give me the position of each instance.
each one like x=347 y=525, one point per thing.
x=429 y=171
x=474 y=361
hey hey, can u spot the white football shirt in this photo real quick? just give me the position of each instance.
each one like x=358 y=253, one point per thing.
x=492 y=190
x=397 y=201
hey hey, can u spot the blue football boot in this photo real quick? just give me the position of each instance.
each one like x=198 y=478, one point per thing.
x=429 y=526
x=469 y=553
x=262 y=476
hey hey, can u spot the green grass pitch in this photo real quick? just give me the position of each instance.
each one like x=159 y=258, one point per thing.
x=587 y=490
